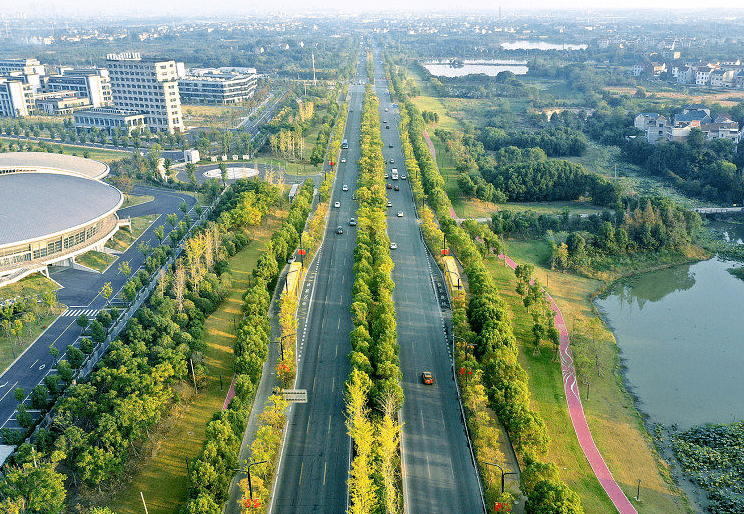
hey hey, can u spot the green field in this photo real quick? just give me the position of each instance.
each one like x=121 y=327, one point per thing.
x=123 y=238
x=29 y=286
x=98 y=261
x=615 y=424
x=161 y=473
x=96 y=154
x=12 y=347
x=132 y=200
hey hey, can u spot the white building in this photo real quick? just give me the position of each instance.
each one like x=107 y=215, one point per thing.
x=722 y=78
x=16 y=98
x=216 y=86
x=191 y=155
x=91 y=83
x=31 y=70
x=653 y=124
x=109 y=118
x=149 y=86
x=702 y=75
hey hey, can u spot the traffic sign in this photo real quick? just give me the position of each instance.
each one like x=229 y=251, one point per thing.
x=294 y=395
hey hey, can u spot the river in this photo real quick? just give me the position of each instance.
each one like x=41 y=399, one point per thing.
x=680 y=333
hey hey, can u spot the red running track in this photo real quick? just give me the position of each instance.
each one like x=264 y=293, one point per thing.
x=576 y=411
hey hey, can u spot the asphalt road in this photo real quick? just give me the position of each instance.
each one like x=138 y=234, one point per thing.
x=80 y=292
x=438 y=471
x=313 y=472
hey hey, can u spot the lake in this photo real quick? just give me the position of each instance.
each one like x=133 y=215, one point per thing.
x=680 y=331
x=485 y=67
x=541 y=45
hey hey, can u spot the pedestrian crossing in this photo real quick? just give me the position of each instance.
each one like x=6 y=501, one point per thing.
x=77 y=311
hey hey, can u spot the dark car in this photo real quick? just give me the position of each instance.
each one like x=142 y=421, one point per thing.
x=352 y=222
x=389 y=186
x=397 y=187
x=339 y=230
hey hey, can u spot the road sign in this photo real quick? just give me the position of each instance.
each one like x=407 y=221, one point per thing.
x=294 y=395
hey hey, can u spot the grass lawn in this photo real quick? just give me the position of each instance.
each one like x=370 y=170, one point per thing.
x=615 y=424
x=123 y=238
x=132 y=200
x=291 y=167
x=161 y=474
x=216 y=116
x=98 y=261
x=10 y=347
x=29 y=286
x=97 y=154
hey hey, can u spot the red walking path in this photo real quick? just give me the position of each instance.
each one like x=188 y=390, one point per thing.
x=576 y=411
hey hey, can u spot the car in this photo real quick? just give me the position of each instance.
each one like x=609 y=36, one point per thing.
x=402 y=177
x=397 y=187
x=392 y=161
x=387 y=126
x=385 y=122
x=427 y=378
x=389 y=186
x=393 y=246
x=386 y=109
x=345 y=188
x=340 y=230
x=291 y=259
x=352 y=222
x=390 y=204
x=390 y=145
x=343 y=159
x=400 y=214
x=337 y=205
x=353 y=197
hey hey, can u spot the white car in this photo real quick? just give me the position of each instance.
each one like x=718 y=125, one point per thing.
x=337 y=205
x=343 y=160
x=345 y=188
x=393 y=246
x=390 y=204
x=400 y=214
x=402 y=177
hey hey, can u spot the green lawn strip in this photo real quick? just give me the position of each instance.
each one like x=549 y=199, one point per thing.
x=132 y=200
x=96 y=154
x=161 y=474
x=123 y=238
x=32 y=285
x=615 y=424
x=290 y=166
x=11 y=347
x=98 y=261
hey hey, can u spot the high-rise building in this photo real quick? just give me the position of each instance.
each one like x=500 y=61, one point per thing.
x=16 y=98
x=217 y=86
x=149 y=86
x=31 y=70
x=91 y=83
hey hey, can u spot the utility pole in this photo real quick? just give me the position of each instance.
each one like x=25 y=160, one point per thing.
x=315 y=83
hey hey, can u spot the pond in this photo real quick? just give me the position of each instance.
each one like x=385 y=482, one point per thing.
x=679 y=331
x=541 y=45
x=467 y=67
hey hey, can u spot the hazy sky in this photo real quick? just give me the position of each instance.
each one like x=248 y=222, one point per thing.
x=53 y=8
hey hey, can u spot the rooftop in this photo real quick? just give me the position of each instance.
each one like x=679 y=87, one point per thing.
x=41 y=161
x=35 y=205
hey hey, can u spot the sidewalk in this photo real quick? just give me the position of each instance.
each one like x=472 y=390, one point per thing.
x=576 y=411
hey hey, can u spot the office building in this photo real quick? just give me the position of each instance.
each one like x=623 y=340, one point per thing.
x=215 y=86
x=109 y=119
x=91 y=83
x=16 y=98
x=30 y=70
x=149 y=86
x=59 y=103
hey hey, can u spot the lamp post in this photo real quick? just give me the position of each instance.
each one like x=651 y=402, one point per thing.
x=503 y=473
x=638 y=493
x=247 y=470
x=280 y=342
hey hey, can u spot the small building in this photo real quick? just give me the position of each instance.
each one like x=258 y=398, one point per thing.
x=722 y=78
x=60 y=103
x=191 y=156
x=91 y=83
x=110 y=118
x=702 y=75
x=214 y=86
x=722 y=128
x=652 y=124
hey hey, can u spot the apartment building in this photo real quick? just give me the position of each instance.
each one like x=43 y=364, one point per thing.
x=16 y=98
x=217 y=87
x=149 y=86
x=91 y=83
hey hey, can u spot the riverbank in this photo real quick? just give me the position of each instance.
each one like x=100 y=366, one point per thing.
x=616 y=425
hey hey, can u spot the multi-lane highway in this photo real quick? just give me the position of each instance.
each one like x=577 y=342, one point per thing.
x=80 y=292
x=314 y=467
x=438 y=471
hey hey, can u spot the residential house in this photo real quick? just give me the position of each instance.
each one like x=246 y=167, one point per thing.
x=652 y=124
x=722 y=78
x=702 y=75
x=722 y=128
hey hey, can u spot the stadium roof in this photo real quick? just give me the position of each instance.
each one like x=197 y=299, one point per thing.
x=42 y=161
x=35 y=205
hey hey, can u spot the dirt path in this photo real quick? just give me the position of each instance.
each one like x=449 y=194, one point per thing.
x=576 y=411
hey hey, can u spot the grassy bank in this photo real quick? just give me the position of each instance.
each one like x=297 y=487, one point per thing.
x=132 y=200
x=123 y=238
x=97 y=154
x=29 y=286
x=98 y=261
x=615 y=424
x=161 y=473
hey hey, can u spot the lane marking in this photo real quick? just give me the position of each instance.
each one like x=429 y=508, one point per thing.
x=9 y=390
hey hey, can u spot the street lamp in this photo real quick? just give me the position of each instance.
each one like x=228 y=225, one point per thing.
x=503 y=473
x=280 y=342
x=248 y=472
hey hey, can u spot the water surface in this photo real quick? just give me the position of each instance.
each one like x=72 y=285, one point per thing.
x=468 y=67
x=541 y=45
x=681 y=335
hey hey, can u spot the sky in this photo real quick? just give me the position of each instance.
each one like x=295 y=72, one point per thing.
x=55 y=8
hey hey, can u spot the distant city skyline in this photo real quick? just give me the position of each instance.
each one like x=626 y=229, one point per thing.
x=179 y=8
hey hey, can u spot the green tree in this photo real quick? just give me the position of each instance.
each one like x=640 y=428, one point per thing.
x=19 y=394
x=553 y=497
x=75 y=357
x=125 y=268
x=223 y=173
x=83 y=321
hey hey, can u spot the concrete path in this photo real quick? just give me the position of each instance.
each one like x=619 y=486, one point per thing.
x=576 y=411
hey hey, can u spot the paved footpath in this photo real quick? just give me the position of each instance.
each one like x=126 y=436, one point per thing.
x=576 y=411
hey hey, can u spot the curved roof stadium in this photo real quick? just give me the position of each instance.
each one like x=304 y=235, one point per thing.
x=52 y=209
x=37 y=205
x=52 y=163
